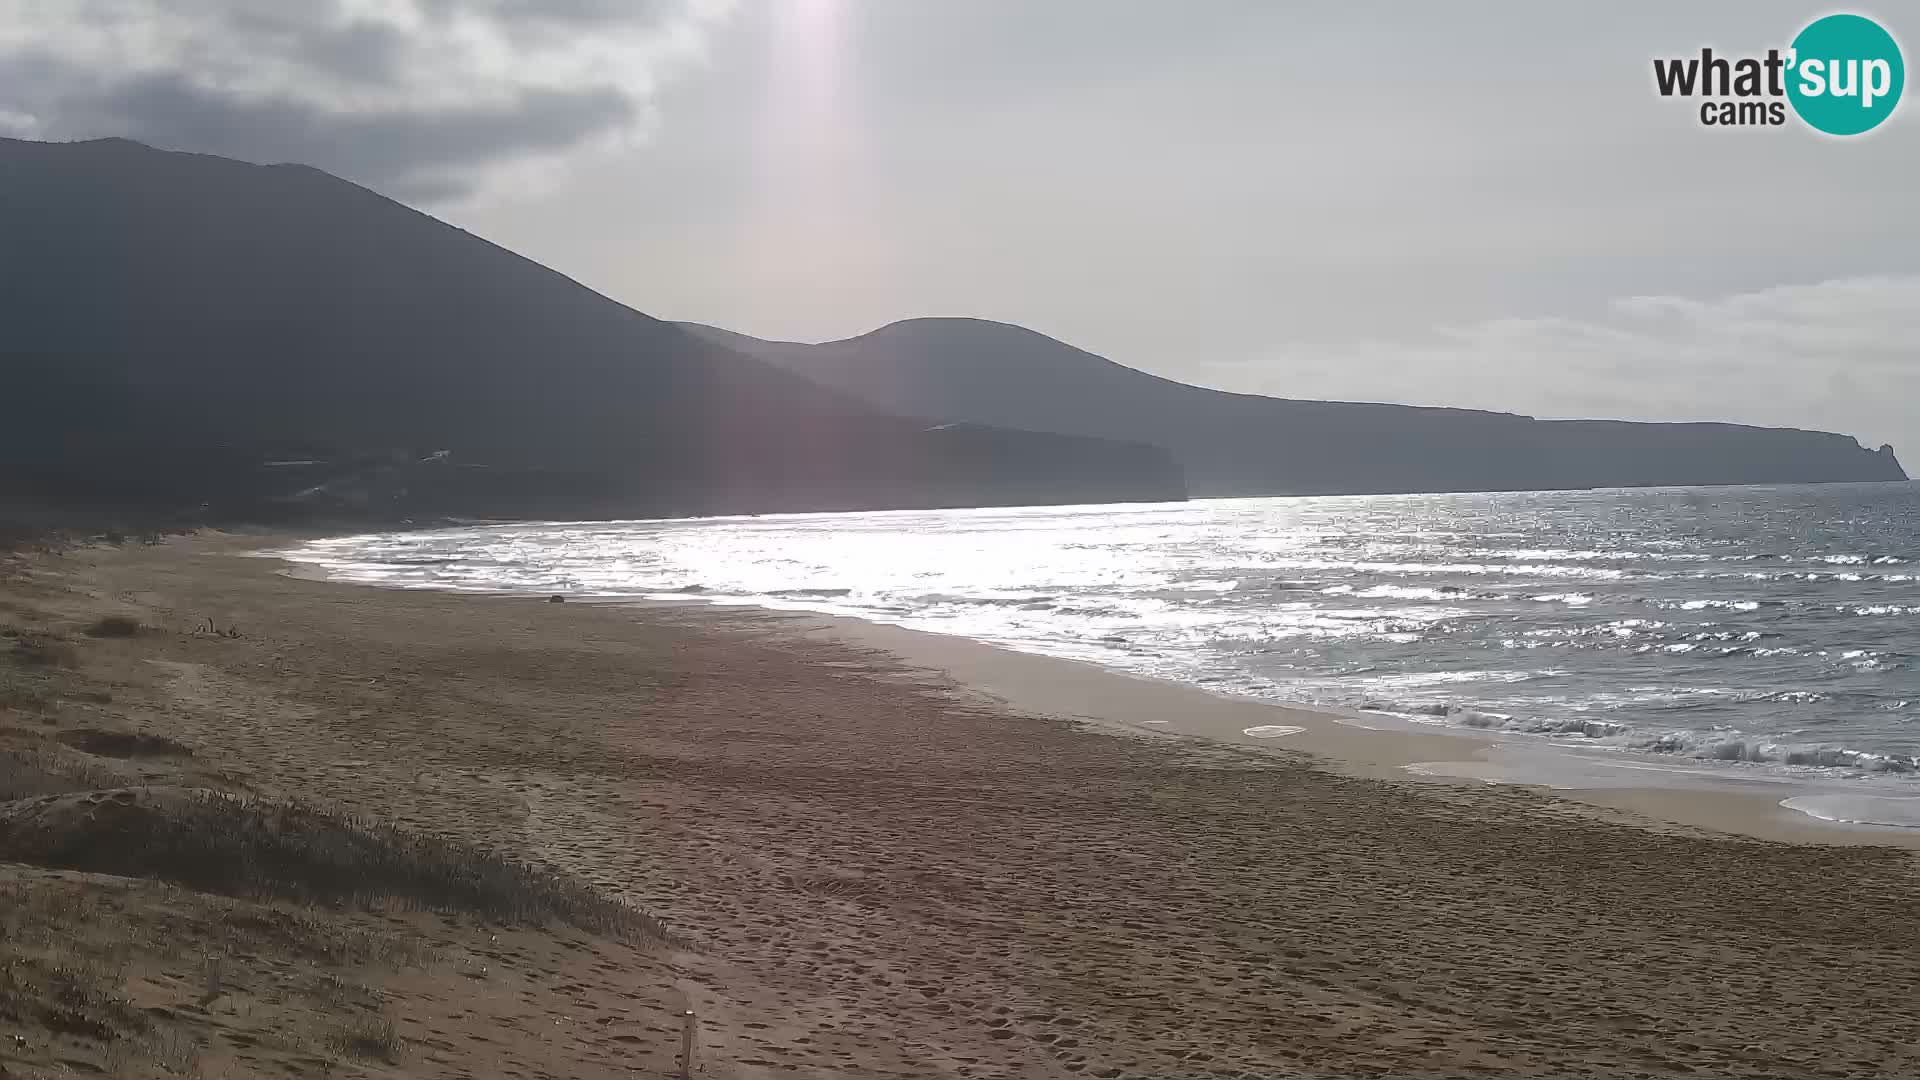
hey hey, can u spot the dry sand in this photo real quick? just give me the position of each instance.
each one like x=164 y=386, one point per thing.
x=876 y=870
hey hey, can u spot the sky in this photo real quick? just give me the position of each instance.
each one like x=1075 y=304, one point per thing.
x=1476 y=204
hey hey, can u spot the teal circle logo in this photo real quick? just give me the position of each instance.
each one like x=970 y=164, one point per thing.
x=1845 y=75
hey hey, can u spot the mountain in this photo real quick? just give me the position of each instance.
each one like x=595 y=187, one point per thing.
x=171 y=323
x=1243 y=444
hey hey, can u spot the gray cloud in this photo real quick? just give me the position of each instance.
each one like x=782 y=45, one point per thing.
x=432 y=100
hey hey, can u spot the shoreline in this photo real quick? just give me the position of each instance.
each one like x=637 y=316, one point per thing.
x=1658 y=790
x=877 y=857
x=1108 y=699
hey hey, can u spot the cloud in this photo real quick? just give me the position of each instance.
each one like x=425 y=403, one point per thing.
x=1840 y=355
x=430 y=100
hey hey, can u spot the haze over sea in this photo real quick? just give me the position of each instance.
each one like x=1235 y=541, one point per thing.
x=1772 y=629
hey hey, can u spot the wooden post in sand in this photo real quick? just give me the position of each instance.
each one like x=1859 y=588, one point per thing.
x=687 y=1022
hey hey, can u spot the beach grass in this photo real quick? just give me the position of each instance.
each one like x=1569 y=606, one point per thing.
x=264 y=850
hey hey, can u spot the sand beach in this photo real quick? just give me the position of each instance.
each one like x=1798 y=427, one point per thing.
x=879 y=853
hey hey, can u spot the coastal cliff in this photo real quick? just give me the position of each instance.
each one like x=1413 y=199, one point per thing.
x=1244 y=444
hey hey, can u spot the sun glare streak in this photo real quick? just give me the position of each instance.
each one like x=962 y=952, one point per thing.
x=805 y=217
x=807 y=61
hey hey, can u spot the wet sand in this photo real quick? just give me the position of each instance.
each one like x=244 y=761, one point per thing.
x=1642 y=787
x=892 y=856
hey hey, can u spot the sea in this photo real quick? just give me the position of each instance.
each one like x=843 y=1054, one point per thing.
x=1737 y=630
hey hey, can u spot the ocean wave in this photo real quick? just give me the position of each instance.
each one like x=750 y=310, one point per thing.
x=1720 y=747
x=1407 y=680
x=1411 y=592
x=1704 y=746
x=1586 y=555
x=1619 y=628
x=1805 y=575
x=1789 y=697
x=1032 y=601
x=1711 y=605
x=1218 y=586
x=1876 y=663
x=1488 y=720
x=1544 y=570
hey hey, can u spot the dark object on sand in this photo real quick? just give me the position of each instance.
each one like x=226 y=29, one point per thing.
x=114 y=626
x=556 y=599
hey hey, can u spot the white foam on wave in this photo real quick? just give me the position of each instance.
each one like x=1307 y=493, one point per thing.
x=1732 y=746
x=1355 y=566
x=1704 y=605
x=1413 y=679
x=1570 y=555
x=1456 y=715
x=1271 y=731
x=1897 y=812
x=1722 y=745
x=1573 y=599
x=1410 y=592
